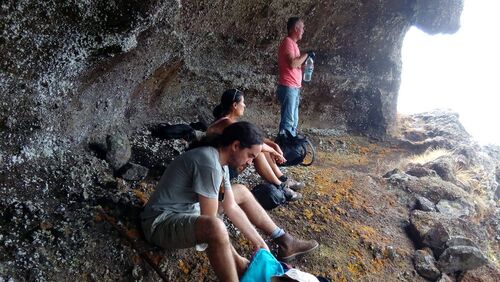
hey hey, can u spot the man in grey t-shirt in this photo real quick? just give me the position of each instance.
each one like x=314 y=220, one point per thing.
x=182 y=212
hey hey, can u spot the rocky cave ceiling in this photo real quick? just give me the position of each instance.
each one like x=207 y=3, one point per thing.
x=76 y=70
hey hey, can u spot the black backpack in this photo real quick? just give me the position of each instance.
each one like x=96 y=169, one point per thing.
x=269 y=196
x=295 y=149
x=173 y=131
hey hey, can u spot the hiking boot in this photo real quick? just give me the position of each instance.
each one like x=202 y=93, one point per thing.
x=290 y=247
x=294 y=185
x=291 y=195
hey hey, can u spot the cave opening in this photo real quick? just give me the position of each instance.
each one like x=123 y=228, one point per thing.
x=456 y=71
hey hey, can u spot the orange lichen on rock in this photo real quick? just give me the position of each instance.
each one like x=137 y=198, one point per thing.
x=361 y=265
x=366 y=232
x=200 y=267
x=336 y=274
x=183 y=267
x=141 y=196
x=323 y=181
x=364 y=150
x=378 y=264
x=342 y=191
x=308 y=214
x=356 y=269
x=244 y=243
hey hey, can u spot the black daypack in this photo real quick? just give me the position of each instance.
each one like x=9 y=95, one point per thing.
x=172 y=131
x=269 y=196
x=295 y=149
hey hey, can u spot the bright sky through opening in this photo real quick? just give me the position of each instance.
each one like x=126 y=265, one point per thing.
x=458 y=71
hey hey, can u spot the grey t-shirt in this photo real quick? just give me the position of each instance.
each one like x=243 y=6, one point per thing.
x=196 y=172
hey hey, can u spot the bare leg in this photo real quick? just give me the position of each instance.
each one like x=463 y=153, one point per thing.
x=241 y=262
x=265 y=170
x=292 y=184
x=212 y=230
x=273 y=165
x=254 y=211
x=289 y=246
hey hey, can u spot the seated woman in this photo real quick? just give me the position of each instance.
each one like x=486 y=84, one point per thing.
x=231 y=107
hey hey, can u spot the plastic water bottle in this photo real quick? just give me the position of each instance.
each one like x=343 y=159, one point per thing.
x=308 y=69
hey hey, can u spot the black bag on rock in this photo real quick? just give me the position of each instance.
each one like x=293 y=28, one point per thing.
x=172 y=131
x=269 y=196
x=295 y=149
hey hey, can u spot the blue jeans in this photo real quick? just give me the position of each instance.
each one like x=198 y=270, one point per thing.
x=289 y=99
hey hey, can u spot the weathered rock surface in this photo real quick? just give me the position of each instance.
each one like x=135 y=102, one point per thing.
x=356 y=217
x=442 y=129
x=434 y=229
x=424 y=204
x=133 y=172
x=454 y=208
x=438 y=129
x=485 y=273
x=131 y=63
x=118 y=150
x=74 y=72
x=444 y=278
x=443 y=166
x=454 y=233
x=460 y=241
x=420 y=171
x=434 y=188
x=425 y=264
x=436 y=238
x=461 y=258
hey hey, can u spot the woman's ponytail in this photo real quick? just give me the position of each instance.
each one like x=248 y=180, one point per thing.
x=218 y=112
x=229 y=97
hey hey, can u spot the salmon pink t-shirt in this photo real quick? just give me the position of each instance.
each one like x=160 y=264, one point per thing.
x=288 y=76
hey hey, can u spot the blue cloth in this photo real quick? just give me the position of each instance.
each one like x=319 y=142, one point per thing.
x=289 y=99
x=262 y=267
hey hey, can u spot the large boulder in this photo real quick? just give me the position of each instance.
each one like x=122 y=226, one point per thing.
x=461 y=258
x=133 y=172
x=434 y=189
x=118 y=151
x=444 y=167
x=433 y=229
x=460 y=241
x=458 y=208
x=424 y=204
x=425 y=265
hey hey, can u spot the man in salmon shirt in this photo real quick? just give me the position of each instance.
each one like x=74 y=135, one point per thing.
x=290 y=75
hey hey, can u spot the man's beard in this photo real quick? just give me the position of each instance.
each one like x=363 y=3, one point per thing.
x=239 y=169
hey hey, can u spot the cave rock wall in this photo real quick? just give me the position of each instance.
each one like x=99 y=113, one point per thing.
x=74 y=71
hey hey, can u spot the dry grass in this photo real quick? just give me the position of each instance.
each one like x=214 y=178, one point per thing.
x=428 y=156
x=473 y=177
x=476 y=180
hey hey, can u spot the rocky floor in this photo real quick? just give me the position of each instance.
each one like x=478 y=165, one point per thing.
x=72 y=216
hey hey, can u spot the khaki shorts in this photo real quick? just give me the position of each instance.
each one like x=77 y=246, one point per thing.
x=172 y=231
